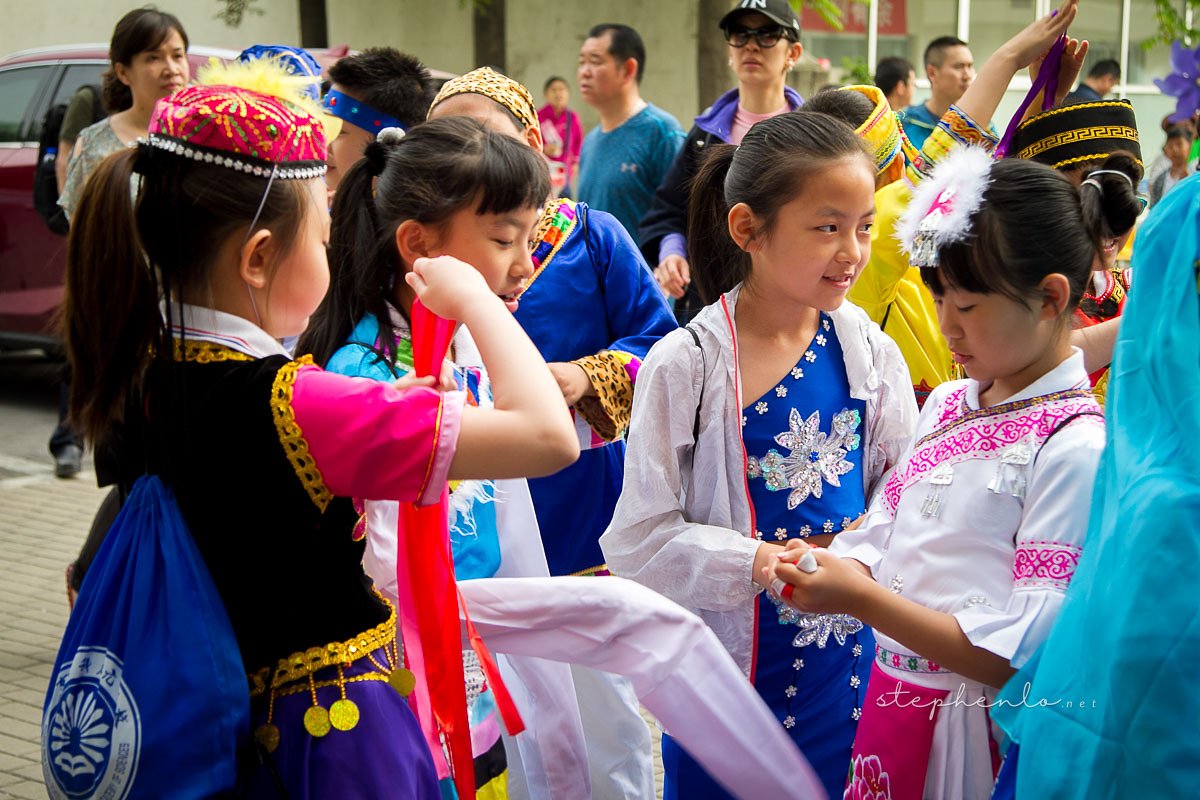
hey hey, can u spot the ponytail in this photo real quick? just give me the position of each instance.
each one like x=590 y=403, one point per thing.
x=1108 y=196
x=110 y=316
x=363 y=264
x=717 y=263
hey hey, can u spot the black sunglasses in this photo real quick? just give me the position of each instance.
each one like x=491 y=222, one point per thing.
x=766 y=36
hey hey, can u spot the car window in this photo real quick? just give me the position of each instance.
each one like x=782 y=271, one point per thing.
x=18 y=87
x=74 y=76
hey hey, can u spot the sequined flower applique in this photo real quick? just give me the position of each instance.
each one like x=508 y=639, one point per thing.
x=819 y=627
x=815 y=458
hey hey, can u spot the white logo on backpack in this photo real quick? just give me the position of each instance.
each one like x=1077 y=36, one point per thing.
x=91 y=731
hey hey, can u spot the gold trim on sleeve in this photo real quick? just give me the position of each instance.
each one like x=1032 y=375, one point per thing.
x=292 y=438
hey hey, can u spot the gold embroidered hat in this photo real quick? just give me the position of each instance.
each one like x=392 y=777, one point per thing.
x=501 y=88
x=1076 y=133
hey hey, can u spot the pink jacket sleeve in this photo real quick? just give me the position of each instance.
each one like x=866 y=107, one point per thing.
x=372 y=441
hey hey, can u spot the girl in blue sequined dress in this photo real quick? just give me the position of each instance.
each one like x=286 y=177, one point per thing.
x=771 y=417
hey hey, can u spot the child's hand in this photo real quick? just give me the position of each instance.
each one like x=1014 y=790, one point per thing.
x=834 y=587
x=572 y=381
x=1039 y=35
x=448 y=287
x=443 y=383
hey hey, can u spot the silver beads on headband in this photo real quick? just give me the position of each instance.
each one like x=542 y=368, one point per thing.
x=212 y=157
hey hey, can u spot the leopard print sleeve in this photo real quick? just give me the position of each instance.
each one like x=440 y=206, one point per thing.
x=612 y=374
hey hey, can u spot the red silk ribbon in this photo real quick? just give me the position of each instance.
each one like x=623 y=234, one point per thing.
x=429 y=601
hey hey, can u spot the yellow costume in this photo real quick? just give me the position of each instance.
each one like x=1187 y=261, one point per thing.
x=892 y=294
x=889 y=290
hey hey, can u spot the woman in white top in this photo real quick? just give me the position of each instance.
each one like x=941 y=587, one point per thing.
x=148 y=61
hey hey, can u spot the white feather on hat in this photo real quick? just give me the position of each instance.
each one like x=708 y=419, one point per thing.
x=942 y=205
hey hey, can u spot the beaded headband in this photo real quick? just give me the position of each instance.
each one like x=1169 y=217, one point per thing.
x=943 y=204
x=882 y=130
x=256 y=167
x=359 y=113
x=240 y=129
x=491 y=84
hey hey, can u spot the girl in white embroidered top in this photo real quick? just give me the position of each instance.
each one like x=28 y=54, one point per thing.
x=777 y=420
x=963 y=559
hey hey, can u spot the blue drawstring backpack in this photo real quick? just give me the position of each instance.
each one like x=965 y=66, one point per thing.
x=148 y=698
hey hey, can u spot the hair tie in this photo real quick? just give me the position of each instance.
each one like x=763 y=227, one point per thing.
x=390 y=136
x=1128 y=179
x=375 y=154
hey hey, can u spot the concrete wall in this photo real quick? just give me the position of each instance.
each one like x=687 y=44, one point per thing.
x=49 y=23
x=438 y=32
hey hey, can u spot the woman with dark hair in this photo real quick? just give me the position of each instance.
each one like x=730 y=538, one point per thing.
x=763 y=46
x=147 y=61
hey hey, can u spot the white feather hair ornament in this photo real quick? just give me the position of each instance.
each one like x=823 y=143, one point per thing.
x=942 y=205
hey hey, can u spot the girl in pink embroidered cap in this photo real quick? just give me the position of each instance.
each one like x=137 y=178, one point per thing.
x=963 y=559
x=174 y=309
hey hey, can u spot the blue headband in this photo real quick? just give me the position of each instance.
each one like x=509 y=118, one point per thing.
x=359 y=113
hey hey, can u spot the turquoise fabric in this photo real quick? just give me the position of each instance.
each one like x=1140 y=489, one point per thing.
x=474 y=537
x=1117 y=674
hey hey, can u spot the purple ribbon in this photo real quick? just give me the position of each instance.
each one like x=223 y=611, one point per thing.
x=1047 y=79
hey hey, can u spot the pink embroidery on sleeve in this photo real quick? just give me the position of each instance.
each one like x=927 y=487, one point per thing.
x=1044 y=565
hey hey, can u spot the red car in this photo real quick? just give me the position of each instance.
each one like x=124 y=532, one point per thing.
x=31 y=257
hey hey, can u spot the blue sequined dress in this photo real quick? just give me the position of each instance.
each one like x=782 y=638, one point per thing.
x=804 y=451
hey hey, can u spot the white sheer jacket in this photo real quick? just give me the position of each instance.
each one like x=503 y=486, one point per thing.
x=683 y=525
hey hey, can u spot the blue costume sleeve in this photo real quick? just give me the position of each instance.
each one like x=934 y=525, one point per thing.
x=638 y=316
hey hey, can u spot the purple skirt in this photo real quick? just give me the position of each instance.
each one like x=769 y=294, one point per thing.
x=383 y=756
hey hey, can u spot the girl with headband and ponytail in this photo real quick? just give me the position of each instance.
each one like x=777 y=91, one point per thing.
x=264 y=452
x=964 y=557
x=449 y=187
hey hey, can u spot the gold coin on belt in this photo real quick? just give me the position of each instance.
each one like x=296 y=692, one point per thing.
x=267 y=735
x=403 y=681
x=316 y=721
x=343 y=714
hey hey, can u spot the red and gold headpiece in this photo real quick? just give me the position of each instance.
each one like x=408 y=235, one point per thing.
x=242 y=129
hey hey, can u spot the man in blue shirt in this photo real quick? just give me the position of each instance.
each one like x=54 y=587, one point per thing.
x=1099 y=82
x=626 y=156
x=950 y=68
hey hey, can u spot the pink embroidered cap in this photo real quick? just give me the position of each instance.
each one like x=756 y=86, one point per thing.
x=244 y=130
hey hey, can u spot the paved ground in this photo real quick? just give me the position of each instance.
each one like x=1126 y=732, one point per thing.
x=43 y=522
